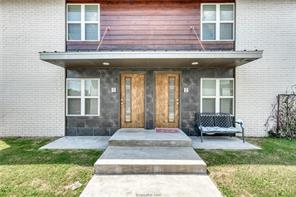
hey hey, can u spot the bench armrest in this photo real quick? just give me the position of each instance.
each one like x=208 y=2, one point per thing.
x=240 y=122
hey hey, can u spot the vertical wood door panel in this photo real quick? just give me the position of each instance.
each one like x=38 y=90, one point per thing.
x=167 y=88
x=132 y=100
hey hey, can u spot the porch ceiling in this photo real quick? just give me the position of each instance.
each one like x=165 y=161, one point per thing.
x=152 y=59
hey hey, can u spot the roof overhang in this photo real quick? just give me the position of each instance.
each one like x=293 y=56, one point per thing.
x=151 y=58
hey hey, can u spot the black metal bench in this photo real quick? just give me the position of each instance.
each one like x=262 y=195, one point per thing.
x=223 y=123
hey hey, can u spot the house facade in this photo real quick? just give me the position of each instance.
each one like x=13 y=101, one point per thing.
x=90 y=67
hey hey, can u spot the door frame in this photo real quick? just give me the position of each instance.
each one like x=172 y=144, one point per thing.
x=154 y=95
x=132 y=72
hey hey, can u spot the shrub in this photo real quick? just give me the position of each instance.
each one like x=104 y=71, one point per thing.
x=282 y=121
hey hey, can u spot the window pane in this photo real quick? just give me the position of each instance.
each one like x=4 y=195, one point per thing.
x=74 y=32
x=74 y=106
x=208 y=31
x=226 y=12
x=91 y=31
x=209 y=13
x=91 y=13
x=128 y=92
x=208 y=105
x=91 y=88
x=91 y=106
x=74 y=13
x=226 y=31
x=209 y=87
x=171 y=99
x=226 y=105
x=74 y=88
x=226 y=87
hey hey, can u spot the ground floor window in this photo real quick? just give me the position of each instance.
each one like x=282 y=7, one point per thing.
x=217 y=95
x=83 y=97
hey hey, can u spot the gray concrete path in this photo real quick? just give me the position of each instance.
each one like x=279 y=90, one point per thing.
x=79 y=142
x=142 y=163
x=101 y=143
x=151 y=186
x=222 y=143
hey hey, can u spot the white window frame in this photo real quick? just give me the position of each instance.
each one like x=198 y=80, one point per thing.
x=82 y=97
x=217 y=21
x=218 y=96
x=82 y=22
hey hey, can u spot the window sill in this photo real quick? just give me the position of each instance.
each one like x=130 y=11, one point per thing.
x=217 y=40
x=82 y=115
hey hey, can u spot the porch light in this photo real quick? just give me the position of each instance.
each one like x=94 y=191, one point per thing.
x=194 y=63
x=106 y=64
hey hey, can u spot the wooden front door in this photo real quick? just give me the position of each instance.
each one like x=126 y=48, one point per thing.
x=167 y=100
x=132 y=100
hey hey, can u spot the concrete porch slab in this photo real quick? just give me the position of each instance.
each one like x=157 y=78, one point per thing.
x=79 y=142
x=222 y=142
x=153 y=160
x=144 y=137
x=151 y=185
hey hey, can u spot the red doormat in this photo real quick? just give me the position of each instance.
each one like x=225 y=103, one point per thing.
x=167 y=130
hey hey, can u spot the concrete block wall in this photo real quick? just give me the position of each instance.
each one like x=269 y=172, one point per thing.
x=31 y=91
x=267 y=25
x=109 y=120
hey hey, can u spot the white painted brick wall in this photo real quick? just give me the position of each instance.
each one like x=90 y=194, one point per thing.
x=32 y=91
x=268 y=25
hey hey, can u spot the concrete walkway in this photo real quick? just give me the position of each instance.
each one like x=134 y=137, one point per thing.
x=151 y=186
x=165 y=165
x=79 y=142
x=221 y=143
x=101 y=143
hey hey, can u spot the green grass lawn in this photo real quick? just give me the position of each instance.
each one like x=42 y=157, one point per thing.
x=267 y=172
x=27 y=171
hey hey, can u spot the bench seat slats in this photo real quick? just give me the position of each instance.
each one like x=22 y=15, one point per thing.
x=218 y=123
x=221 y=129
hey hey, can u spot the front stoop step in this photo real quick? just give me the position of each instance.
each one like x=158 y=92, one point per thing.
x=150 y=160
x=142 y=137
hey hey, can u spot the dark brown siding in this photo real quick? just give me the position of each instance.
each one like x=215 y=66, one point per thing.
x=150 y=25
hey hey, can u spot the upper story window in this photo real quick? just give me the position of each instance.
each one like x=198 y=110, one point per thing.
x=83 y=22
x=217 y=21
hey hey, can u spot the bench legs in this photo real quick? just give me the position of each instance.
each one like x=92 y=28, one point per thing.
x=243 y=134
x=201 y=136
